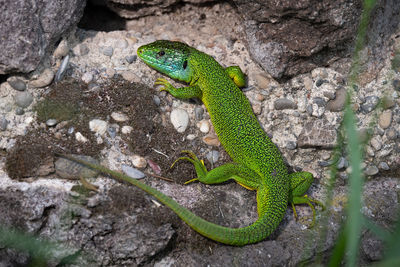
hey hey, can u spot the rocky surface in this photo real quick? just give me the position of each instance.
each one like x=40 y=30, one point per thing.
x=105 y=106
x=28 y=29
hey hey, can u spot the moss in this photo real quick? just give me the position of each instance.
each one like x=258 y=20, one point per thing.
x=53 y=109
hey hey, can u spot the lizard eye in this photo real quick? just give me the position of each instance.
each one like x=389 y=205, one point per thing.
x=161 y=53
x=184 y=64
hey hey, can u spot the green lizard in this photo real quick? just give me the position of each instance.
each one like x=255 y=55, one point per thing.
x=257 y=163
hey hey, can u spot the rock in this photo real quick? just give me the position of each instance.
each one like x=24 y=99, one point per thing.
x=62 y=49
x=308 y=83
x=371 y=170
x=342 y=163
x=284 y=103
x=80 y=138
x=19 y=111
x=396 y=84
x=51 y=122
x=198 y=112
x=338 y=103
x=376 y=143
x=29 y=29
x=130 y=76
x=211 y=140
x=132 y=172
x=179 y=119
x=391 y=133
x=120 y=117
x=372 y=247
x=369 y=104
x=138 y=161
x=126 y=129
x=387 y=102
x=130 y=59
x=68 y=169
x=385 y=119
x=204 y=126
x=23 y=99
x=3 y=123
x=107 y=51
x=98 y=126
x=16 y=83
x=45 y=78
x=317 y=133
x=213 y=156
x=87 y=77
x=291 y=145
x=383 y=166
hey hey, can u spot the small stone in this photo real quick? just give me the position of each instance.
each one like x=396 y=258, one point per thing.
x=371 y=170
x=131 y=59
x=284 y=103
x=211 y=140
x=110 y=72
x=87 y=77
x=257 y=108
x=391 y=133
x=329 y=94
x=324 y=163
x=132 y=172
x=71 y=130
x=317 y=133
x=16 y=83
x=80 y=138
x=376 y=144
x=120 y=117
x=98 y=126
x=212 y=156
x=308 y=83
x=396 y=84
x=3 y=123
x=338 y=103
x=387 y=102
x=342 y=163
x=156 y=100
x=309 y=109
x=198 y=112
x=179 y=119
x=44 y=79
x=23 y=99
x=126 y=129
x=51 y=122
x=385 y=119
x=369 y=104
x=319 y=82
x=107 y=51
x=291 y=145
x=130 y=76
x=262 y=81
x=138 y=161
x=61 y=50
x=319 y=101
x=204 y=126
x=318 y=111
x=191 y=137
x=370 y=151
x=19 y=111
x=383 y=166
x=112 y=131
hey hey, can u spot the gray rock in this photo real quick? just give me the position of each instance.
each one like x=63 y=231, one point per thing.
x=284 y=103
x=324 y=163
x=213 y=156
x=16 y=83
x=291 y=145
x=83 y=49
x=51 y=122
x=319 y=101
x=198 y=112
x=383 y=166
x=30 y=28
x=371 y=170
x=369 y=104
x=392 y=133
x=107 y=51
x=317 y=133
x=130 y=59
x=62 y=69
x=132 y=172
x=68 y=169
x=385 y=119
x=342 y=163
x=337 y=104
x=396 y=84
x=309 y=109
x=156 y=100
x=3 y=123
x=19 y=111
x=23 y=99
x=372 y=247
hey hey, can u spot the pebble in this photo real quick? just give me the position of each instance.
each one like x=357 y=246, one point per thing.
x=98 y=126
x=383 y=166
x=198 y=113
x=79 y=137
x=284 y=103
x=191 y=137
x=19 y=111
x=309 y=109
x=391 y=134
x=262 y=81
x=318 y=110
x=61 y=50
x=257 y=108
x=319 y=82
x=71 y=130
x=138 y=161
x=131 y=59
x=342 y=163
x=110 y=72
x=308 y=83
x=120 y=117
x=3 y=123
x=338 y=103
x=212 y=156
x=387 y=102
x=371 y=170
x=156 y=100
x=385 y=119
x=324 y=163
x=107 y=51
x=204 y=126
x=87 y=77
x=44 y=79
x=370 y=151
x=376 y=144
x=319 y=101
x=211 y=140
x=291 y=145
x=179 y=119
x=126 y=129
x=16 y=83
x=23 y=99
x=51 y=122
x=132 y=172
x=61 y=70
x=369 y=104
x=112 y=131
x=329 y=94
x=396 y=84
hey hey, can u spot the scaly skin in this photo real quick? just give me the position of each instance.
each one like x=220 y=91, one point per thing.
x=257 y=162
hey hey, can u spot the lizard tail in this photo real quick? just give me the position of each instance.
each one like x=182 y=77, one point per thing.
x=253 y=233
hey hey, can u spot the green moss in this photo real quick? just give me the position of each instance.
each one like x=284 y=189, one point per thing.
x=53 y=109
x=396 y=61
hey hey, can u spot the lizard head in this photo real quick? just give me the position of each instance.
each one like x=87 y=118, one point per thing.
x=169 y=58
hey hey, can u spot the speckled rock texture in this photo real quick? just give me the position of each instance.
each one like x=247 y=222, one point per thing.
x=29 y=28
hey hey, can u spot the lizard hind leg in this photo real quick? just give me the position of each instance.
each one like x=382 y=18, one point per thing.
x=299 y=184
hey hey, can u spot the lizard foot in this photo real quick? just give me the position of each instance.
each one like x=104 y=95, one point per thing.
x=198 y=165
x=306 y=200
